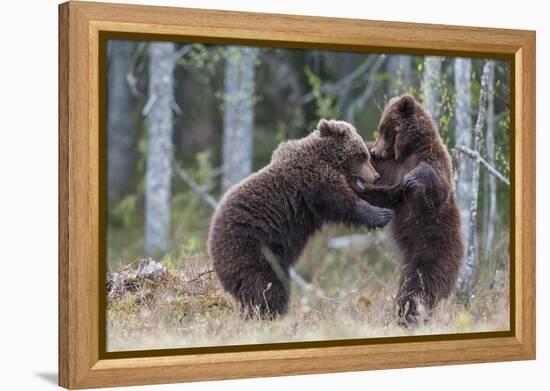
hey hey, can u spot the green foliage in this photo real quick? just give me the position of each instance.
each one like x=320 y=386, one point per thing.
x=502 y=153
x=203 y=173
x=125 y=308
x=464 y=321
x=190 y=214
x=281 y=132
x=223 y=98
x=203 y=61
x=325 y=102
x=235 y=55
x=123 y=212
x=141 y=163
x=447 y=109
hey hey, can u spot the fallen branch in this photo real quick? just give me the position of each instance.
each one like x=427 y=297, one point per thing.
x=200 y=275
x=205 y=196
x=476 y=156
x=294 y=276
x=129 y=279
x=274 y=262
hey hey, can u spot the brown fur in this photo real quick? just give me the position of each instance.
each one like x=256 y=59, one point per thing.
x=410 y=154
x=262 y=224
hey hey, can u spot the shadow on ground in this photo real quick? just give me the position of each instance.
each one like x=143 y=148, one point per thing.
x=48 y=377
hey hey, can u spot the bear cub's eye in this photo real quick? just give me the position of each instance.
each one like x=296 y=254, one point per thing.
x=363 y=156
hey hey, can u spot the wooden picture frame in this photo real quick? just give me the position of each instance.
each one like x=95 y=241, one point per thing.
x=82 y=362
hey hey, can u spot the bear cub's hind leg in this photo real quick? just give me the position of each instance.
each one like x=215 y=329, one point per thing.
x=263 y=292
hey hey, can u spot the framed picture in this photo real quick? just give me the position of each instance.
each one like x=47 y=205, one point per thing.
x=247 y=195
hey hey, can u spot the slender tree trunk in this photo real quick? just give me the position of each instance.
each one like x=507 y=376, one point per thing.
x=431 y=86
x=121 y=130
x=238 y=119
x=463 y=136
x=472 y=261
x=344 y=97
x=399 y=70
x=490 y=146
x=159 y=147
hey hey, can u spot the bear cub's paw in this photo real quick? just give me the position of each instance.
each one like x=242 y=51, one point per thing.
x=414 y=180
x=411 y=182
x=373 y=216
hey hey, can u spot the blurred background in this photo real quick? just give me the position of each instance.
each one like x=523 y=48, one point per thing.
x=187 y=121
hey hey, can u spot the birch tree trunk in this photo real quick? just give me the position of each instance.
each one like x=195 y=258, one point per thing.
x=463 y=136
x=159 y=147
x=121 y=132
x=471 y=262
x=399 y=70
x=490 y=146
x=238 y=116
x=431 y=86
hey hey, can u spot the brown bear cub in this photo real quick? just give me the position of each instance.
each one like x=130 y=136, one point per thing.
x=262 y=224
x=427 y=229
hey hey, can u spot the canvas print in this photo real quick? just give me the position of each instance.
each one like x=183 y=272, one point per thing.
x=259 y=195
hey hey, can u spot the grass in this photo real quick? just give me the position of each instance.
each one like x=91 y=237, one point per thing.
x=352 y=298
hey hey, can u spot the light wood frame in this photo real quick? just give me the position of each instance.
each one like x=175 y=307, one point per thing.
x=81 y=364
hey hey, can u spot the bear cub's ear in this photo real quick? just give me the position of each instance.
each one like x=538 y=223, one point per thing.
x=406 y=105
x=331 y=128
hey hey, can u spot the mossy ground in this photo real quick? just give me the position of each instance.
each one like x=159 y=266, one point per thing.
x=352 y=298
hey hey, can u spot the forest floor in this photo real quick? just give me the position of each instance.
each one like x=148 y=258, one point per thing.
x=182 y=304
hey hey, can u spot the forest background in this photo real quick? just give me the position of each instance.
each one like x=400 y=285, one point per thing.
x=187 y=121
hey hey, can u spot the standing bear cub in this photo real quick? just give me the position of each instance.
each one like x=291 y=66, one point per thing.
x=427 y=229
x=262 y=224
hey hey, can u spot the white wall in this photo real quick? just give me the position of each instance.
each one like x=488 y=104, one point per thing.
x=28 y=193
